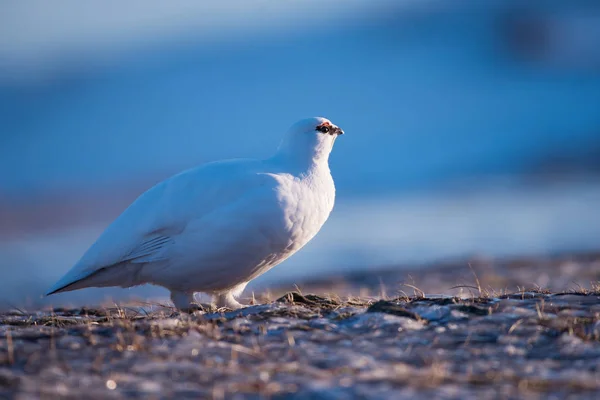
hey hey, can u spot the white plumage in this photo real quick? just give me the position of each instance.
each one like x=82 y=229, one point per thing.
x=215 y=227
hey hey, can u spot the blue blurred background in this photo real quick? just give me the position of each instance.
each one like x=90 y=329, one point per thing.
x=473 y=127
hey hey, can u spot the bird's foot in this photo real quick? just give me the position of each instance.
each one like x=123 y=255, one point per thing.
x=226 y=300
x=184 y=302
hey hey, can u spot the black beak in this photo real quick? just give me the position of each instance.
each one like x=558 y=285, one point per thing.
x=338 y=131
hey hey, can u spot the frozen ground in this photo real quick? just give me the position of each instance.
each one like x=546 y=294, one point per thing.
x=477 y=343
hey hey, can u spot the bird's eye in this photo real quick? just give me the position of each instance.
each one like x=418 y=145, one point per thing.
x=323 y=128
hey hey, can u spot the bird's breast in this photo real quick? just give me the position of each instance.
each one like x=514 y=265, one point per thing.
x=306 y=205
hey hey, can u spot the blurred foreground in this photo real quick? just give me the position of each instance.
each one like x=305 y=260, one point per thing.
x=490 y=341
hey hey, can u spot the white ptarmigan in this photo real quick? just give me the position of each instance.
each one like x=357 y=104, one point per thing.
x=216 y=227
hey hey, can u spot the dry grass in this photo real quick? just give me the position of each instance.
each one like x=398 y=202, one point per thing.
x=354 y=338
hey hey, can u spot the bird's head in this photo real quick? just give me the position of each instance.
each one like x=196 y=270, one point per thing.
x=310 y=139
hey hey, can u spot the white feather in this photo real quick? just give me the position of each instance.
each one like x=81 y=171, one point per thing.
x=215 y=227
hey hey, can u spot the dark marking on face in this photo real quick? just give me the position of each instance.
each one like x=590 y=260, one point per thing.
x=326 y=127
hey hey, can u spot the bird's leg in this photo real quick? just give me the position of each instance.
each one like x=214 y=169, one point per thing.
x=182 y=300
x=227 y=300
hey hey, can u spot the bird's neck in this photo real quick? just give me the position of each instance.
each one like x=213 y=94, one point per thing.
x=303 y=160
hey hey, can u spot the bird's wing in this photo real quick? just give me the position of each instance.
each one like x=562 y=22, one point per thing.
x=248 y=234
x=150 y=249
x=146 y=230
